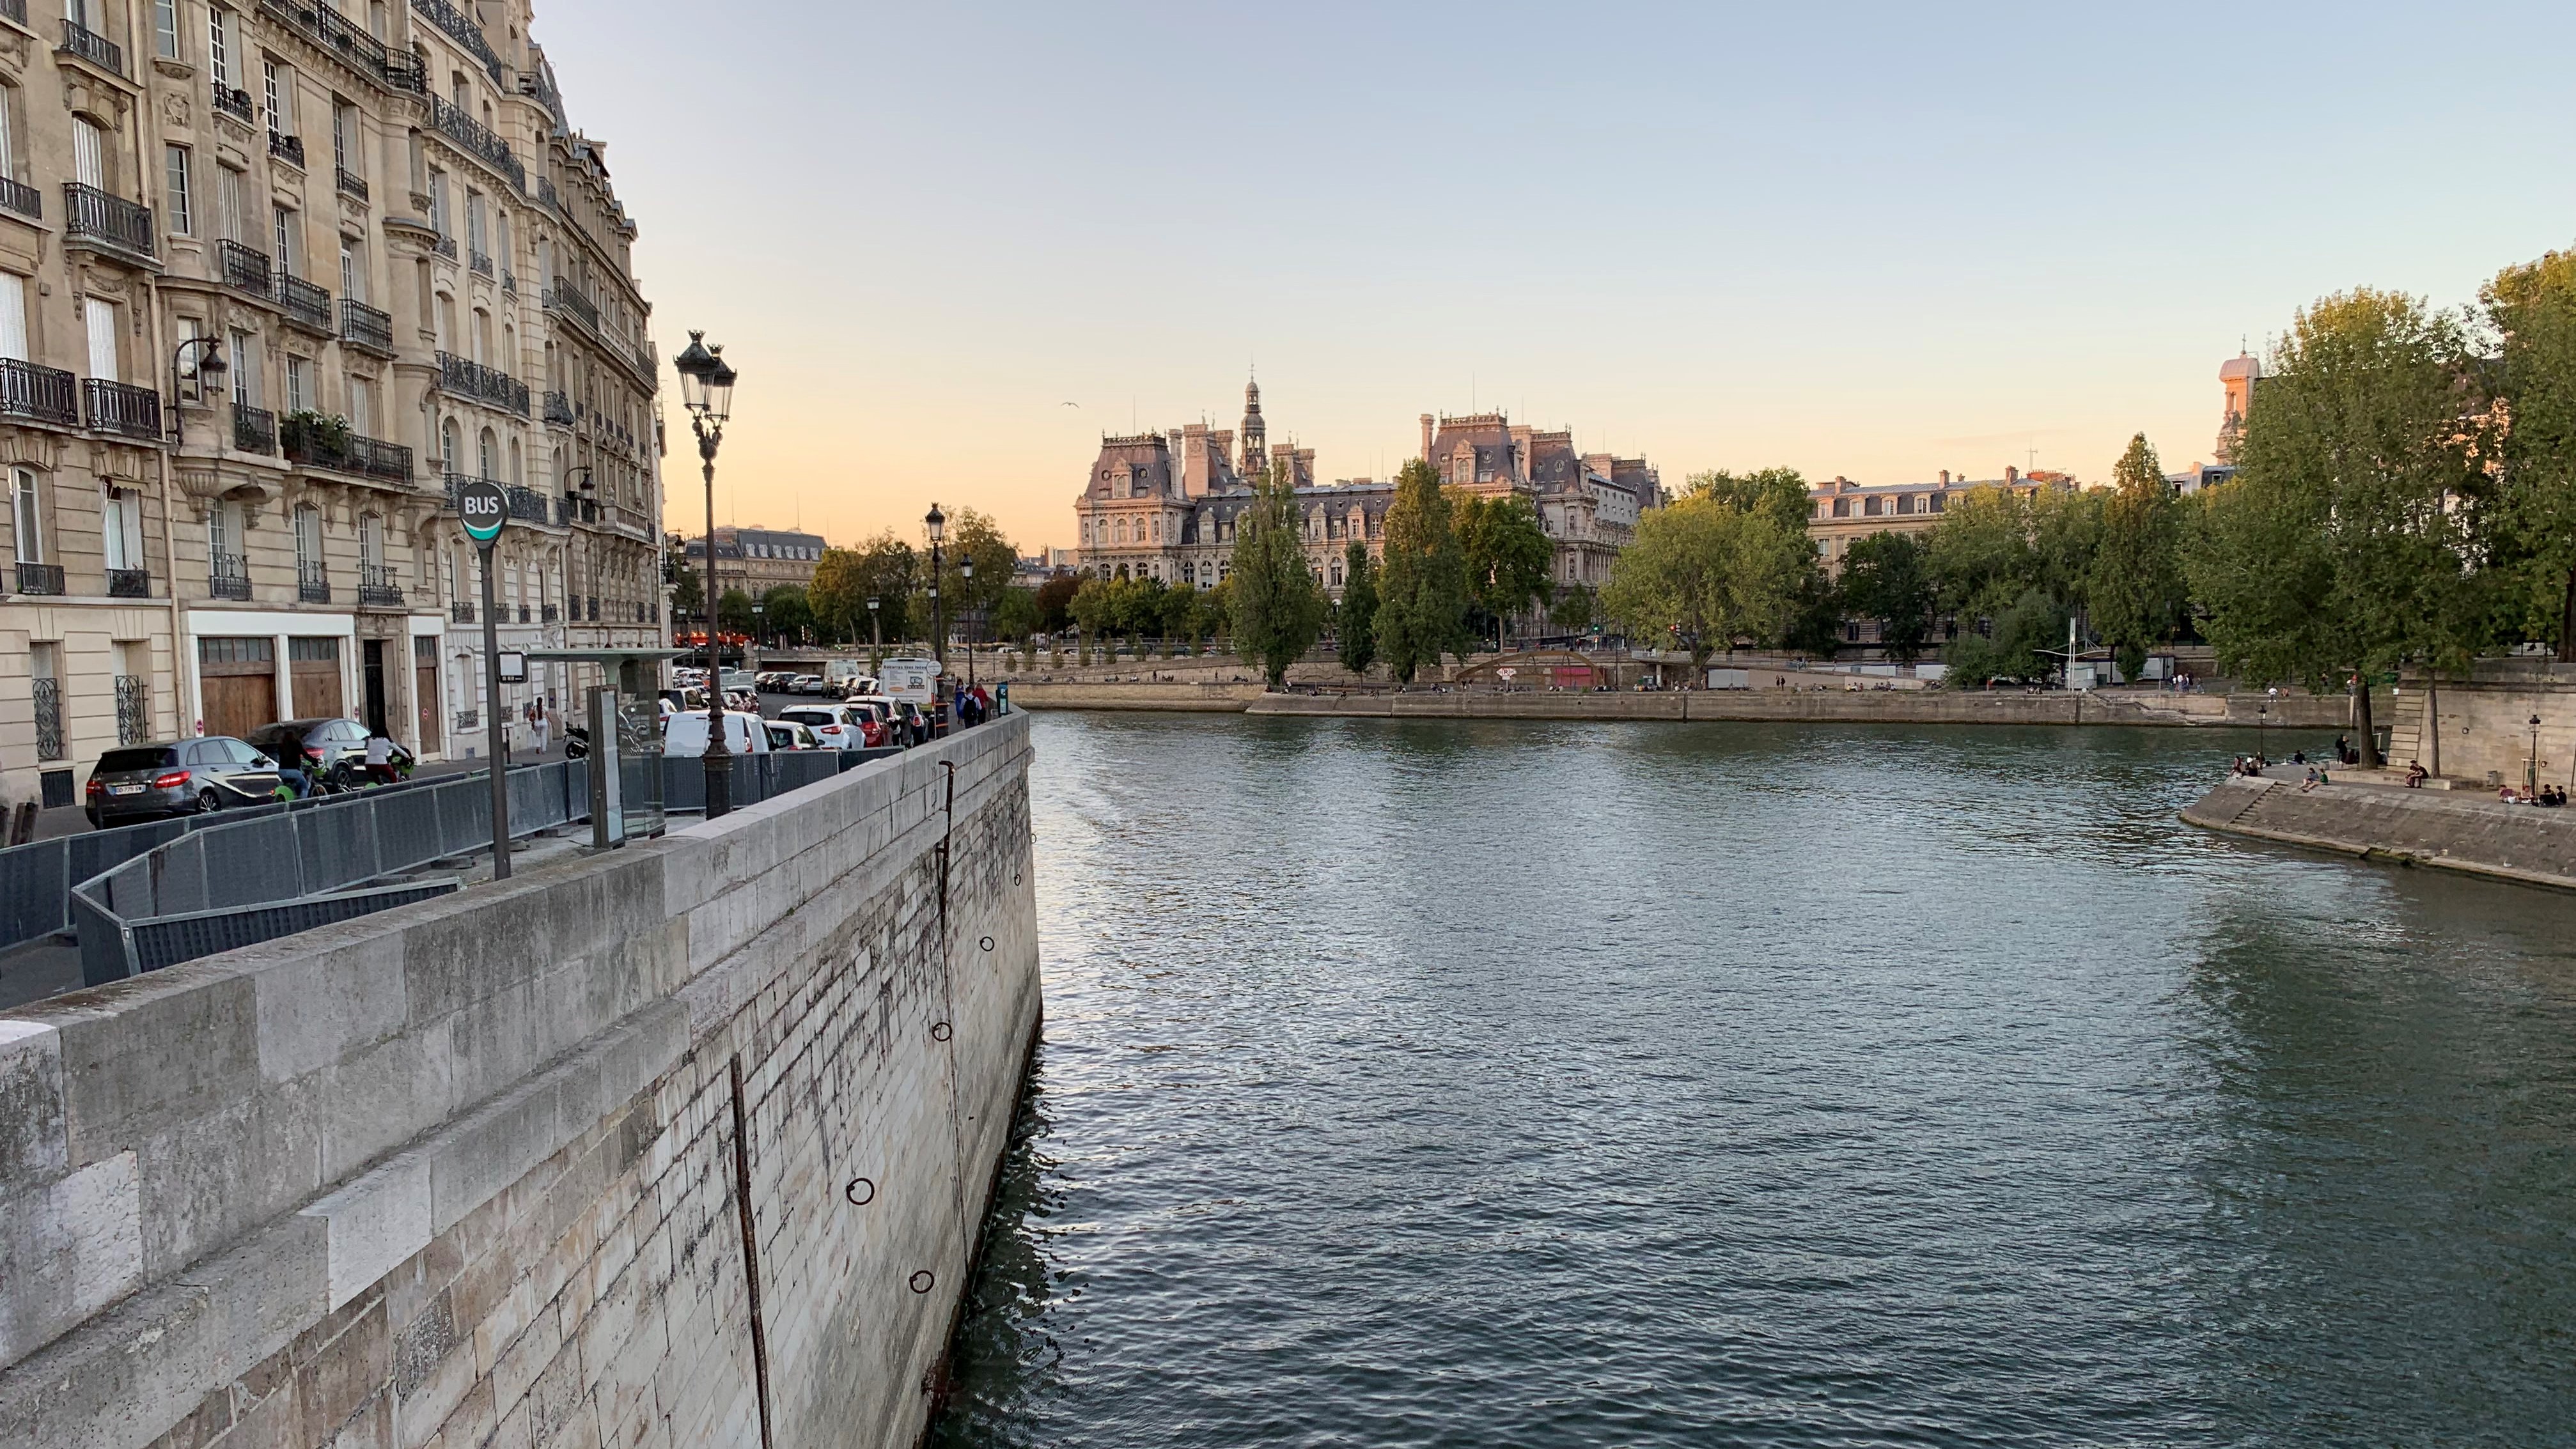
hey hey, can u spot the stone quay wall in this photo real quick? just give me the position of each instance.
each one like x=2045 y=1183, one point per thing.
x=2452 y=830
x=680 y=1145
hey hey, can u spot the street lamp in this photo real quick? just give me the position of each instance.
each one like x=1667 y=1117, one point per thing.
x=937 y=523
x=210 y=363
x=706 y=386
x=966 y=568
x=2531 y=772
x=751 y=659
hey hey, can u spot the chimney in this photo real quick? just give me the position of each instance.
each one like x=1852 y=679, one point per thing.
x=2011 y=473
x=1945 y=477
x=1426 y=437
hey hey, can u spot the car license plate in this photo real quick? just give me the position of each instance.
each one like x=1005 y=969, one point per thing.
x=125 y=789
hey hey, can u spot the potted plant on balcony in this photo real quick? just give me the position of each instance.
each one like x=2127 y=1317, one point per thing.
x=315 y=437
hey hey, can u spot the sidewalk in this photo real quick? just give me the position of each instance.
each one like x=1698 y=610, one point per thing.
x=68 y=819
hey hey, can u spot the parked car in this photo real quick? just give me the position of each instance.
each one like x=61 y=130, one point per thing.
x=857 y=685
x=182 y=777
x=331 y=751
x=684 y=736
x=807 y=684
x=842 y=726
x=786 y=735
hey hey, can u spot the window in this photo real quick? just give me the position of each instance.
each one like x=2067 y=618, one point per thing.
x=299 y=384
x=165 y=29
x=24 y=523
x=232 y=213
x=220 y=30
x=371 y=542
x=344 y=137
x=280 y=84
x=446 y=323
x=13 y=316
x=376 y=18
x=449 y=448
x=8 y=132
x=350 y=271
x=283 y=226
x=438 y=202
x=246 y=387
x=89 y=153
x=474 y=238
x=121 y=527
x=308 y=541
x=101 y=319
x=487 y=466
x=362 y=406
x=181 y=209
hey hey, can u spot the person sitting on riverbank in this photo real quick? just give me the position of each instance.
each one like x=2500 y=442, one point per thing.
x=2416 y=774
x=2509 y=795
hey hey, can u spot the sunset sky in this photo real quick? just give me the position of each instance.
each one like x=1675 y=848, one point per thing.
x=1874 y=241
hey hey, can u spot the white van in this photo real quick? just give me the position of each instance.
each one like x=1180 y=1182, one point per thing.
x=684 y=736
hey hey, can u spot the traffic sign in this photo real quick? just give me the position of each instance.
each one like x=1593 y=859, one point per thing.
x=484 y=508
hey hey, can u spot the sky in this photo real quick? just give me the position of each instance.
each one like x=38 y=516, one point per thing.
x=949 y=246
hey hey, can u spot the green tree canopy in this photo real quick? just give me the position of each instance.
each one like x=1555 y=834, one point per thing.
x=733 y=611
x=1055 y=602
x=1780 y=492
x=785 y=613
x=1704 y=574
x=688 y=585
x=1422 y=579
x=1278 y=607
x=1015 y=617
x=1506 y=554
x=1886 y=577
x=2341 y=548
x=1355 y=629
x=845 y=579
x=2010 y=653
x=2135 y=588
x=2532 y=308
x=1573 y=610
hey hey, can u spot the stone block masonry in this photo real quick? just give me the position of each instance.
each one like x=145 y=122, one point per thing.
x=2469 y=832
x=682 y=1145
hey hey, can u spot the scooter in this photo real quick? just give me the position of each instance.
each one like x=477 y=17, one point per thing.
x=576 y=742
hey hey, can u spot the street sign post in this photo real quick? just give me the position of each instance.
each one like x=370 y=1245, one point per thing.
x=485 y=510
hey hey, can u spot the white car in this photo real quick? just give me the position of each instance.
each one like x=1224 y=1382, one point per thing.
x=684 y=736
x=787 y=734
x=841 y=726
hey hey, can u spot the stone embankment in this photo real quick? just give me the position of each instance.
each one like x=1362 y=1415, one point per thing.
x=2453 y=830
x=680 y=1145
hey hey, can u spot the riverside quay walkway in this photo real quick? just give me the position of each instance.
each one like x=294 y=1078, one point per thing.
x=2378 y=818
x=680 y=1144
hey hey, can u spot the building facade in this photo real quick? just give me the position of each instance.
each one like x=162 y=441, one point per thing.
x=756 y=559
x=274 y=281
x=1164 y=505
x=1844 y=512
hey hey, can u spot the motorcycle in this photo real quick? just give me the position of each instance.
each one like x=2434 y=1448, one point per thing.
x=576 y=742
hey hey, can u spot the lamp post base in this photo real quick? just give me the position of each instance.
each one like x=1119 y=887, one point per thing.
x=719 y=784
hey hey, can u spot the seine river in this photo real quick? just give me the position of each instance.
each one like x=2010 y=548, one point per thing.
x=1533 y=1085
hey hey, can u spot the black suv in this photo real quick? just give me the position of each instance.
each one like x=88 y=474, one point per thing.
x=332 y=750
x=183 y=776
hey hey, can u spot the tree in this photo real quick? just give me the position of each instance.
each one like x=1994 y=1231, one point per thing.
x=1055 y=602
x=1993 y=546
x=837 y=596
x=1422 y=580
x=2008 y=646
x=2342 y=547
x=784 y=613
x=973 y=536
x=688 y=585
x=1573 y=609
x=1506 y=555
x=1094 y=609
x=1705 y=573
x=1278 y=608
x=1780 y=492
x=1015 y=618
x=845 y=579
x=1356 y=628
x=2533 y=310
x=1884 y=578
x=2136 y=588
x=733 y=611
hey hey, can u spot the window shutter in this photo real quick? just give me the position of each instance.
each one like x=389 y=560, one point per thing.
x=101 y=317
x=13 y=316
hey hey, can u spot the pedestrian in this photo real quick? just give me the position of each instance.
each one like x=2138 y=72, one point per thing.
x=380 y=758
x=541 y=722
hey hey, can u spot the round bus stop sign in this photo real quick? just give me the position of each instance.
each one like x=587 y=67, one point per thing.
x=483 y=507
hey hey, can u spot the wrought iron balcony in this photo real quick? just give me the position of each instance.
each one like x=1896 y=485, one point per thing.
x=594 y=608
x=254 y=429
x=560 y=297
x=463 y=30
x=40 y=578
x=129 y=583
x=44 y=394
x=342 y=451
x=320 y=23
x=287 y=148
x=404 y=72
x=509 y=283
x=103 y=219
x=227 y=576
x=306 y=305
x=122 y=408
x=133 y=709
x=445 y=246
x=247 y=269
x=476 y=140
x=93 y=47
x=351 y=184
x=525 y=503
x=472 y=379
x=461 y=612
x=233 y=101
x=365 y=328
x=21 y=198
x=559 y=409
x=312 y=584
x=467 y=719
x=523 y=614
x=546 y=614
x=481 y=262
x=376 y=587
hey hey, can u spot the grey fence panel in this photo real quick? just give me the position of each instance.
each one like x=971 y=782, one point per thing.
x=247 y=864
x=176 y=877
x=171 y=940
x=407 y=828
x=800 y=768
x=105 y=954
x=337 y=847
x=35 y=891
x=852 y=759
x=464 y=816
x=684 y=784
x=129 y=884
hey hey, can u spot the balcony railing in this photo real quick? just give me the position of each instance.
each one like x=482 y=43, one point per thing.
x=254 y=429
x=122 y=408
x=133 y=709
x=312 y=585
x=461 y=612
x=484 y=384
x=306 y=304
x=40 y=578
x=525 y=503
x=559 y=409
x=287 y=148
x=376 y=586
x=351 y=184
x=45 y=394
x=523 y=614
x=476 y=140
x=481 y=262
x=465 y=32
x=345 y=452
x=95 y=216
x=49 y=714
x=228 y=576
x=509 y=283
x=363 y=51
x=548 y=614
x=233 y=101
x=21 y=198
x=93 y=47
x=560 y=297
x=129 y=583
x=445 y=246
x=364 y=327
x=467 y=719
x=247 y=269
x=404 y=72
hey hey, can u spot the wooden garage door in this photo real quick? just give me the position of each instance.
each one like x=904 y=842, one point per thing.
x=238 y=678
x=314 y=666
x=424 y=654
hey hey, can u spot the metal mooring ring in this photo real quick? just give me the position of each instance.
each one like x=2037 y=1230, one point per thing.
x=860 y=1192
x=922 y=1280
x=940 y=1031
x=986 y=943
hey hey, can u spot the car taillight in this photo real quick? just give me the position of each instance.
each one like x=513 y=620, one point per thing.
x=311 y=753
x=96 y=788
x=170 y=781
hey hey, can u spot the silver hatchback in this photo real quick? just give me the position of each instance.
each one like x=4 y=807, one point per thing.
x=178 y=778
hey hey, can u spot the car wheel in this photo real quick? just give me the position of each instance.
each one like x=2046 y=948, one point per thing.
x=208 y=803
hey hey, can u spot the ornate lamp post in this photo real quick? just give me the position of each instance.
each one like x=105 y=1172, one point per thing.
x=966 y=567
x=210 y=363
x=2531 y=772
x=937 y=523
x=706 y=385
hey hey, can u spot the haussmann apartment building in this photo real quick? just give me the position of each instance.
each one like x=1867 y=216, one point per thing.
x=275 y=278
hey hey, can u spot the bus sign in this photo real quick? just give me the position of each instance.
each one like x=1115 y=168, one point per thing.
x=483 y=507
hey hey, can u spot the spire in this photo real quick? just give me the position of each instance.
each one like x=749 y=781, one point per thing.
x=1254 y=453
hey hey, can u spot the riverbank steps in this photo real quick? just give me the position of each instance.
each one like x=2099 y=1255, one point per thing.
x=1862 y=706
x=2454 y=830
x=683 y=1144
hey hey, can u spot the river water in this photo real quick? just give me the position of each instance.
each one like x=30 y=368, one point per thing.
x=1495 y=1083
